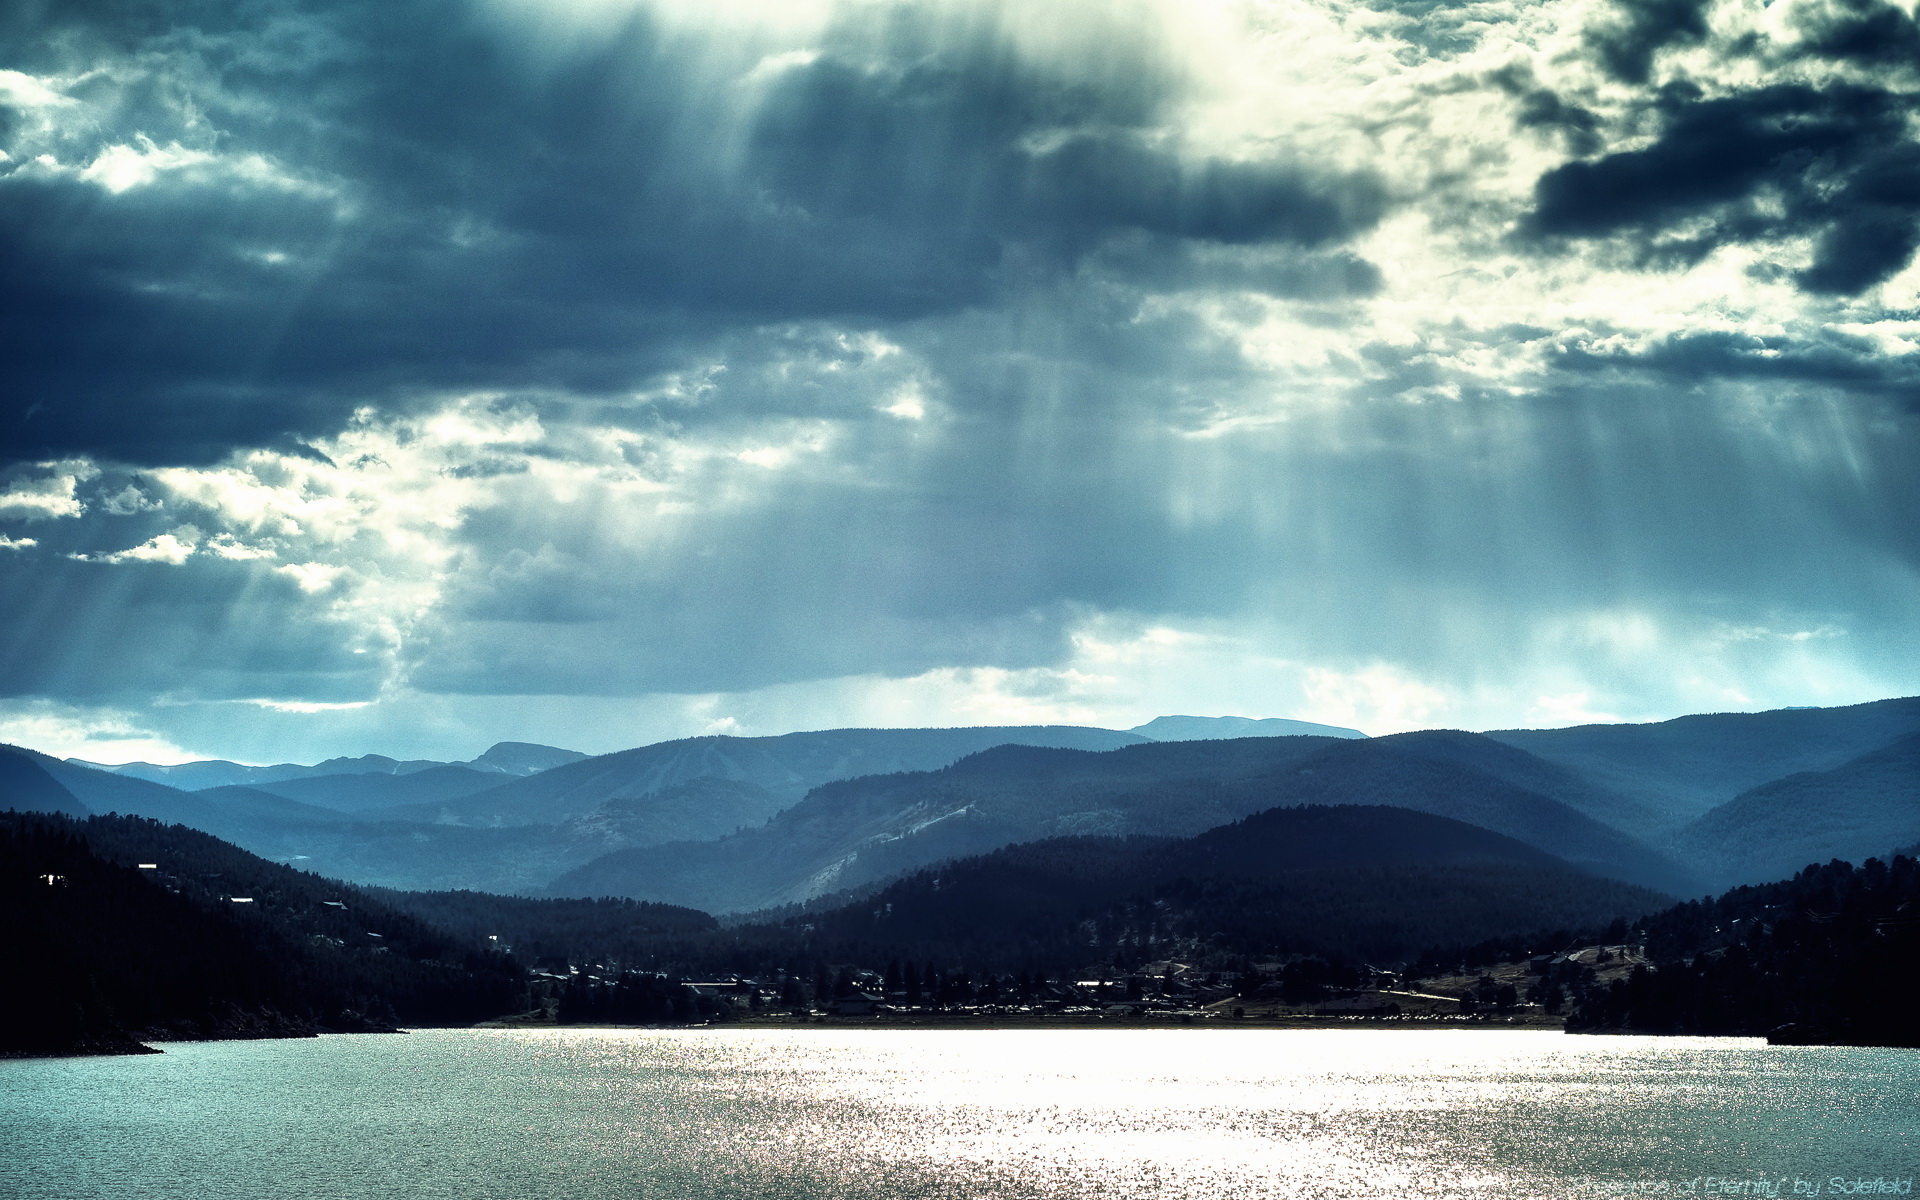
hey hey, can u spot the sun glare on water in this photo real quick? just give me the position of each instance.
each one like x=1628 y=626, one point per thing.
x=1167 y=1114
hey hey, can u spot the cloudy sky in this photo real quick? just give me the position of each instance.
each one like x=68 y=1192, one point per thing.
x=406 y=377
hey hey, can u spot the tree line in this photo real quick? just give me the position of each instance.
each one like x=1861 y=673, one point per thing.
x=1830 y=955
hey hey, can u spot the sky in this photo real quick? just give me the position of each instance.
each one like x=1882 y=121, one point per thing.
x=407 y=377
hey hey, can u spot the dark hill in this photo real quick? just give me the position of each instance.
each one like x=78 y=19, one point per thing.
x=105 y=792
x=26 y=786
x=699 y=809
x=100 y=949
x=233 y=812
x=1856 y=811
x=1352 y=883
x=557 y=932
x=1436 y=774
x=1343 y=838
x=1688 y=765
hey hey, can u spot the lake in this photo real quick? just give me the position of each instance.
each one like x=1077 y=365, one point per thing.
x=977 y=1114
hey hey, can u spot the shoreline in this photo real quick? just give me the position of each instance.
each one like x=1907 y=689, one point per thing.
x=1069 y=1021
x=994 y=1023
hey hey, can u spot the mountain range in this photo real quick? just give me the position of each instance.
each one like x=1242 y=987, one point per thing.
x=732 y=824
x=1683 y=768
x=861 y=831
x=518 y=834
x=503 y=758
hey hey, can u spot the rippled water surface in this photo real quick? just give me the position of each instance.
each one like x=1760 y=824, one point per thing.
x=1214 y=1114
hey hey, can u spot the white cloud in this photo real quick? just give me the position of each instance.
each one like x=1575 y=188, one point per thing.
x=770 y=457
x=25 y=91
x=308 y=707
x=909 y=404
x=372 y=531
x=1377 y=698
x=12 y=543
x=105 y=735
x=227 y=546
x=52 y=495
x=120 y=168
x=126 y=502
x=1571 y=708
x=312 y=576
x=171 y=549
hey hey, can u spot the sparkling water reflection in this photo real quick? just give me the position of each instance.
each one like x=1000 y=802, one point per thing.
x=635 y=1114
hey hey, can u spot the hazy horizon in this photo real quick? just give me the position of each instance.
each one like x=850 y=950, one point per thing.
x=462 y=756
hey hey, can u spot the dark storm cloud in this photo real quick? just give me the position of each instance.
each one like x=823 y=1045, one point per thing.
x=1542 y=108
x=1829 y=358
x=709 y=356
x=439 y=201
x=1838 y=162
x=1870 y=32
x=1638 y=30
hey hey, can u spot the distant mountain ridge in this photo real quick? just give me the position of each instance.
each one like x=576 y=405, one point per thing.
x=365 y=793
x=1190 y=729
x=502 y=758
x=1864 y=808
x=1622 y=812
x=353 y=846
x=1684 y=767
x=859 y=831
x=782 y=768
x=752 y=821
x=668 y=792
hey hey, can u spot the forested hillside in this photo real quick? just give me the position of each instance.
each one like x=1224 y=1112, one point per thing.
x=556 y=933
x=1359 y=884
x=210 y=941
x=1831 y=955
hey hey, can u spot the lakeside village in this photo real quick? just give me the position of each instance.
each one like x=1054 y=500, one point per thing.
x=1534 y=992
